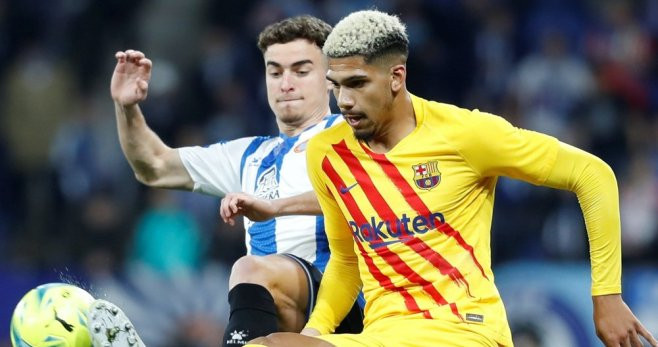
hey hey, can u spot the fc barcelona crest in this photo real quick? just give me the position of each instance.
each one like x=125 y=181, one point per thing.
x=427 y=175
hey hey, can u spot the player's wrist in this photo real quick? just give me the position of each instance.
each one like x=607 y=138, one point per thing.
x=277 y=207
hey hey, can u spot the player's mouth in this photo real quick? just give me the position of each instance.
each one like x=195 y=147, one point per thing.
x=289 y=100
x=354 y=119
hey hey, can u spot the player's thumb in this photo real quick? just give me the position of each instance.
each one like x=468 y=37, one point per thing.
x=142 y=85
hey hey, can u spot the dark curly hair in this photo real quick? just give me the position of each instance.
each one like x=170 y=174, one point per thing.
x=313 y=29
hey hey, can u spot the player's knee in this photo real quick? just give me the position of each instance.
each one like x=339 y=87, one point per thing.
x=252 y=269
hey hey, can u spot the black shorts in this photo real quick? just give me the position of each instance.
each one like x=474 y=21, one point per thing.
x=353 y=322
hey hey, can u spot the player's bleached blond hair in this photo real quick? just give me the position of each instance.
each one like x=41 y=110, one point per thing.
x=368 y=33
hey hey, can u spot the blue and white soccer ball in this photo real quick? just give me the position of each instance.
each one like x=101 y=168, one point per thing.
x=50 y=315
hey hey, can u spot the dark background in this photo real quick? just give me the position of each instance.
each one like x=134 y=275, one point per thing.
x=71 y=210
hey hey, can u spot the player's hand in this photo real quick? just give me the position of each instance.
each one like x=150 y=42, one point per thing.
x=241 y=204
x=131 y=77
x=616 y=325
x=310 y=332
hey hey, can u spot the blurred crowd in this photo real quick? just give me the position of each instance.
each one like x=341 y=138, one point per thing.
x=583 y=71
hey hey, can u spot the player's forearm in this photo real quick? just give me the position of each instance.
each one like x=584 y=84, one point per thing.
x=596 y=187
x=339 y=289
x=143 y=149
x=302 y=204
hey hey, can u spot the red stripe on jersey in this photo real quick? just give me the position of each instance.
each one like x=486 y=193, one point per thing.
x=386 y=283
x=356 y=213
x=438 y=261
x=417 y=204
x=386 y=213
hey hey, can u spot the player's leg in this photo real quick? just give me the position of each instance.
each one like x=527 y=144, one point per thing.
x=353 y=321
x=110 y=327
x=289 y=339
x=267 y=294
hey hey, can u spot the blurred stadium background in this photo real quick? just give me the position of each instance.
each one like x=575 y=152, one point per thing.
x=71 y=210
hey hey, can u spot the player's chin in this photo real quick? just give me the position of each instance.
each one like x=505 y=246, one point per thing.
x=290 y=116
x=363 y=134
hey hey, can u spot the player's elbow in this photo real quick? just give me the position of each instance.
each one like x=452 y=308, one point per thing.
x=599 y=168
x=151 y=174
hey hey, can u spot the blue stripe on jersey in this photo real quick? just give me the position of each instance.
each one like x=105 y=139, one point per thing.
x=263 y=234
x=331 y=119
x=321 y=244
x=286 y=146
x=262 y=240
x=253 y=147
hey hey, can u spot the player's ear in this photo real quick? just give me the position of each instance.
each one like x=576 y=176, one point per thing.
x=398 y=76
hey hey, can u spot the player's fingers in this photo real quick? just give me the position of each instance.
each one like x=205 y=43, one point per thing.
x=635 y=339
x=146 y=63
x=234 y=206
x=142 y=85
x=626 y=342
x=224 y=210
x=134 y=56
x=129 y=55
x=222 y=215
x=647 y=335
x=226 y=206
x=120 y=56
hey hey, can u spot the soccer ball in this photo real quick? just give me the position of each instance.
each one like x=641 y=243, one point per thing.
x=53 y=314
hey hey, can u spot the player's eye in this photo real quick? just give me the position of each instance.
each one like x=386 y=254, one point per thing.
x=303 y=72
x=274 y=74
x=356 y=84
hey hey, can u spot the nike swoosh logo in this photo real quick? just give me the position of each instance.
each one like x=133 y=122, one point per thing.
x=344 y=190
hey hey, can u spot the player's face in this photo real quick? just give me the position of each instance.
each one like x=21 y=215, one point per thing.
x=363 y=93
x=296 y=86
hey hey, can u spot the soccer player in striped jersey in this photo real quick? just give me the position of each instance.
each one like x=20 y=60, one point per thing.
x=407 y=190
x=274 y=287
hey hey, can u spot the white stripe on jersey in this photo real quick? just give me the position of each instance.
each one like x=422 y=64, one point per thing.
x=270 y=168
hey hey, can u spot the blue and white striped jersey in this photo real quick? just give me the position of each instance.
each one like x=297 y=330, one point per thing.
x=270 y=168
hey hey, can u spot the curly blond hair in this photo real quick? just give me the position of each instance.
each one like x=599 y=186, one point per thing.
x=368 y=33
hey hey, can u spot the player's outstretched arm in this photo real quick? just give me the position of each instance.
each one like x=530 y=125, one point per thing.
x=616 y=325
x=154 y=163
x=258 y=210
x=594 y=183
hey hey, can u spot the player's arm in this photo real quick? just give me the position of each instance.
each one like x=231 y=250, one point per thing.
x=154 y=163
x=543 y=160
x=594 y=183
x=340 y=283
x=258 y=210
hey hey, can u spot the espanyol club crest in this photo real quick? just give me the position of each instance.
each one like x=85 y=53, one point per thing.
x=427 y=175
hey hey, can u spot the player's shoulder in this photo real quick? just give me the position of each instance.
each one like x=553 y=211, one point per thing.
x=338 y=131
x=245 y=146
x=244 y=141
x=447 y=116
x=436 y=111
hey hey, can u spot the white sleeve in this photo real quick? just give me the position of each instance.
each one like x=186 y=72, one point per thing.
x=216 y=169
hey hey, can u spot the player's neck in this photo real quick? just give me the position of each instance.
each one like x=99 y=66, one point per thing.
x=296 y=128
x=402 y=122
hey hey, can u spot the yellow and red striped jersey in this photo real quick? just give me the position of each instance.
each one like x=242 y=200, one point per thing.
x=417 y=219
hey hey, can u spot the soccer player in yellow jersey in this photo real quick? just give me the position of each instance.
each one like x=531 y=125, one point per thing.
x=406 y=186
